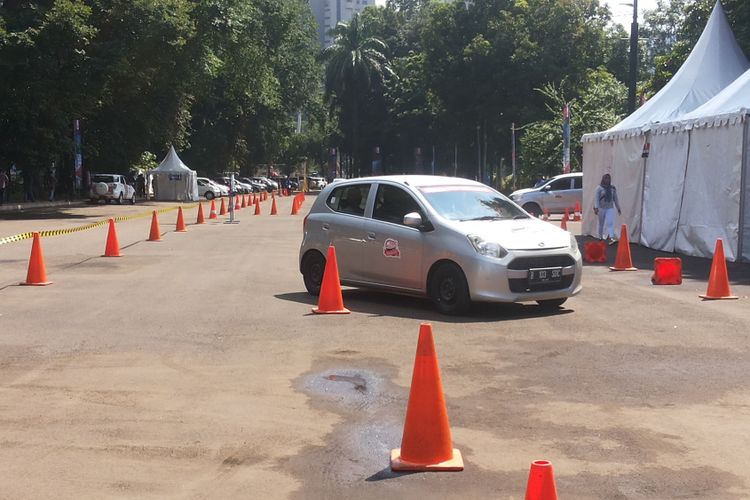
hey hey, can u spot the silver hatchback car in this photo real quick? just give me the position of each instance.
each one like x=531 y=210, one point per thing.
x=452 y=240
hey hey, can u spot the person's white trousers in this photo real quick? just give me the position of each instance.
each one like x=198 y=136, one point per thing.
x=607 y=217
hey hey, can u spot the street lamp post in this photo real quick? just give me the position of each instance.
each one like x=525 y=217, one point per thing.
x=633 y=58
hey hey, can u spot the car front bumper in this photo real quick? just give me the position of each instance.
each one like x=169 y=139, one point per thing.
x=506 y=280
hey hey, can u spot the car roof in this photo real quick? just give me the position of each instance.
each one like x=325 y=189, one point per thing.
x=414 y=180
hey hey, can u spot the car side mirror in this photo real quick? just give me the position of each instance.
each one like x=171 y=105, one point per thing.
x=547 y=188
x=413 y=219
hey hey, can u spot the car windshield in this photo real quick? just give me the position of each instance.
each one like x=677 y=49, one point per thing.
x=467 y=203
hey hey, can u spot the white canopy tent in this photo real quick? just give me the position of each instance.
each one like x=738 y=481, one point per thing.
x=173 y=180
x=656 y=195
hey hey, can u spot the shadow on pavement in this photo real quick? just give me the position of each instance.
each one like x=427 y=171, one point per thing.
x=387 y=473
x=44 y=213
x=697 y=268
x=377 y=303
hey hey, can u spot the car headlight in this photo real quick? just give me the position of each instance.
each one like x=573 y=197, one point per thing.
x=488 y=248
x=573 y=243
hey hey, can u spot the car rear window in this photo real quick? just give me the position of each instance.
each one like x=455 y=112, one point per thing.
x=349 y=199
x=103 y=178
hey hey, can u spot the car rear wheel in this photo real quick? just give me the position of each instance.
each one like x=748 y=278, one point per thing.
x=448 y=289
x=533 y=209
x=132 y=200
x=313 y=267
x=551 y=303
x=209 y=195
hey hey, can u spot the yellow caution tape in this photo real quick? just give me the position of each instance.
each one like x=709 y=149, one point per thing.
x=93 y=225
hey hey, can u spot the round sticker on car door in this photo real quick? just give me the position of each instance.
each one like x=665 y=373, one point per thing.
x=390 y=249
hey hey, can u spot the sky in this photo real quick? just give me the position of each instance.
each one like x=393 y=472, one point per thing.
x=623 y=14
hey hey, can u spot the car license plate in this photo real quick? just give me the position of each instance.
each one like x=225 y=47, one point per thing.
x=545 y=275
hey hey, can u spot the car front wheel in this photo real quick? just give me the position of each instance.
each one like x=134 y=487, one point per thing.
x=119 y=199
x=132 y=200
x=449 y=290
x=533 y=209
x=313 y=267
x=209 y=195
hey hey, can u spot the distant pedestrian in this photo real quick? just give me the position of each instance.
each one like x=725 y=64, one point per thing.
x=540 y=180
x=140 y=185
x=28 y=185
x=605 y=202
x=4 y=182
x=49 y=185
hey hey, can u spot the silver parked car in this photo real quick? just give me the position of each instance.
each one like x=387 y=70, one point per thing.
x=555 y=195
x=450 y=239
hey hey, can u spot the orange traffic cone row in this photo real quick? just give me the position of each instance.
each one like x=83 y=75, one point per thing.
x=330 y=300
x=180 y=222
x=223 y=209
x=718 y=280
x=155 y=234
x=426 y=444
x=112 y=249
x=37 y=272
x=212 y=214
x=244 y=202
x=257 y=207
x=273 y=207
x=201 y=219
x=623 y=262
x=541 y=485
x=577 y=212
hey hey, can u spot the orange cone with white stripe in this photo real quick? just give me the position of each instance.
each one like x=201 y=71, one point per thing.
x=212 y=214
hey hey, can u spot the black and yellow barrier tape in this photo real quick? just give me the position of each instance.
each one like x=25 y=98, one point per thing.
x=85 y=227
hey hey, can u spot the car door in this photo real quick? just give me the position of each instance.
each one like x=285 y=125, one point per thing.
x=393 y=251
x=345 y=227
x=557 y=195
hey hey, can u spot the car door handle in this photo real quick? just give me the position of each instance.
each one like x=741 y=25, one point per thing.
x=558 y=196
x=326 y=227
x=371 y=236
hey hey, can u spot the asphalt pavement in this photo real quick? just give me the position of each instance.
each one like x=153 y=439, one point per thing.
x=194 y=368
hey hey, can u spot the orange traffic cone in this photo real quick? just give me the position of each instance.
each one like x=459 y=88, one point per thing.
x=155 y=234
x=244 y=202
x=564 y=222
x=577 y=212
x=541 y=485
x=295 y=207
x=257 y=207
x=112 y=249
x=623 y=262
x=546 y=214
x=273 y=207
x=201 y=219
x=426 y=444
x=566 y=216
x=223 y=209
x=330 y=300
x=180 y=222
x=37 y=272
x=212 y=214
x=237 y=205
x=718 y=280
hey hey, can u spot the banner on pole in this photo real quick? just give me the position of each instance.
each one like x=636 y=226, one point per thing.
x=566 y=139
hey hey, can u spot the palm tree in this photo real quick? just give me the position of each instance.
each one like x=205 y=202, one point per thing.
x=356 y=65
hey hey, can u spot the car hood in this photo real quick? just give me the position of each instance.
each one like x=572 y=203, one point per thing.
x=522 y=234
x=520 y=192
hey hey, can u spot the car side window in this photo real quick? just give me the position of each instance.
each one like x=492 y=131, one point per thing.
x=349 y=199
x=392 y=203
x=560 y=184
x=578 y=183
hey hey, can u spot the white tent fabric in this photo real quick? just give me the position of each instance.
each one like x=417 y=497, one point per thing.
x=173 y=180
x=663 y=185
x=714 y=63
x=745 y=228
x=711 y=198
x=734 y=98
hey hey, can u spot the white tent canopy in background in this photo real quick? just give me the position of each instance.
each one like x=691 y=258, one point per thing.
x=173 y=180
x=687 y=191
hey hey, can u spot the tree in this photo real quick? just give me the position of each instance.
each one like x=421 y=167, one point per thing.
x=356 y=65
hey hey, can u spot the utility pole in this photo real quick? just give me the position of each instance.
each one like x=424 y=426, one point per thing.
x=633 y=58
x=479 y=155
x=513 y=151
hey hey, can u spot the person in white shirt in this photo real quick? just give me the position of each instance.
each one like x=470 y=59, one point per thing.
x=605 y=202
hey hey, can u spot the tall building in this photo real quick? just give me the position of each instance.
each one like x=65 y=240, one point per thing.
x=331 y=12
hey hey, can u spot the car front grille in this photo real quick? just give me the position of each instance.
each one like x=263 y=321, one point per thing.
x=542 y=261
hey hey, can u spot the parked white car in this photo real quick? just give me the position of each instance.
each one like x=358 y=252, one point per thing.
x=209 y=189
x=555 y=195
x=110 y=187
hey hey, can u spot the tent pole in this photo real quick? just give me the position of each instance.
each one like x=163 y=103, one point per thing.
x=643 y=188
x=743 y=177
x=684 y=179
